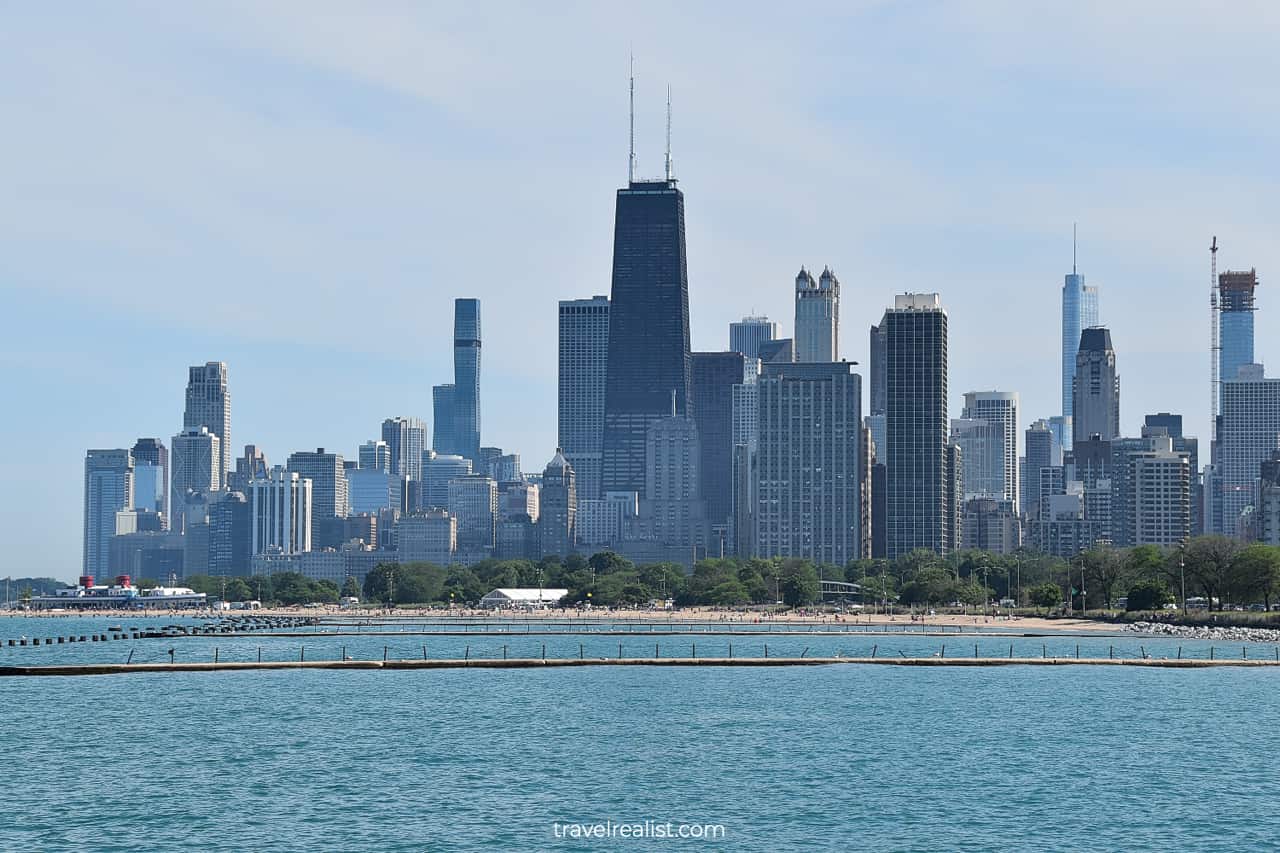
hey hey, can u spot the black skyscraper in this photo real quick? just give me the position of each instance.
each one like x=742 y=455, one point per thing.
x=648 y=327
x=457 y=406
x=714 y=375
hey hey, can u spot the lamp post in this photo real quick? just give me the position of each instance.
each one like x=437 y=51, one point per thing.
x=1182 y=572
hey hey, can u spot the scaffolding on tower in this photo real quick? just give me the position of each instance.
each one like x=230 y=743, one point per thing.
x=1215 y=342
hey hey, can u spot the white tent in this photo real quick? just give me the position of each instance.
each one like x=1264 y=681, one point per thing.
x=523 y=597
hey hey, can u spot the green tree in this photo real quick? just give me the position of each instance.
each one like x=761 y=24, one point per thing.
x=238 y=590
x=731 y=593
x=799 y=583
x=1208 y=561
x=1046 y=595
x=350 y=589
x=1255 y=573
x=1103 y=570
x=1148 y=594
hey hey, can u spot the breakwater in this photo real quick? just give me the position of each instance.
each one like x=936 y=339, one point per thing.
x=1206 y=632
x=542 y=663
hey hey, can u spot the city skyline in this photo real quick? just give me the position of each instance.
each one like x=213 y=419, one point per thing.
x=1157 y=263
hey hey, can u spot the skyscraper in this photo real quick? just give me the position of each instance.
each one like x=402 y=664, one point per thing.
x=375 y=455
x=649 y=354
x=197 y=461
x=817 y=317
x=473 y=501
x=209 y=405
x=108 y=489
x=1096 y=410
x=280 y=512
x=715 y=375
x=809 y=462
x=584 y=361
x=329 y=497
x=558 y=507
x=673 y=513
x=1079 y=312
x=437 y=470
x=1235 y=291
x=747 y=335
x=997 y=407
x=466 y=377
x=151 y=476
x=982 y=444
x=1249 y=433
x=877 y=376
x=443 y=421
x=1042 y=452
x=920 y=510
x=407 y=439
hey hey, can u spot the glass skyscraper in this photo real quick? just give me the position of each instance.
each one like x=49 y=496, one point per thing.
x=584 y=356
x=1079 y=312
x=649 y=358
x=1236 y=305
x=456 y=407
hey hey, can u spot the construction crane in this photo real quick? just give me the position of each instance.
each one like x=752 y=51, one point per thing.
x=1215 y=341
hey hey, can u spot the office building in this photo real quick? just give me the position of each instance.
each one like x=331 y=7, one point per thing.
x=997 y=407
x=197 y=462
x=877 y=371
x=375 y=455
x=1266 y=516
x=809 y=477
x=437 y=471
x=1042 y=451
x=372 y=490
x=990 y=524
x=151 y=476
x=443 y=438
x=1096 y=410
x=558 y=507
x=473 y=501
x=516 y=498
x=603 y=522
x=108 y=489
x=457 y=406
x=747 y=335
x=715 y=376
x=918 y=479
x=251 y=465
x=329 y=495
x=208 y=405
x=649 y=356
x=1250 y=431
x=280 y=512
x=147 y=555
x=780 y=350
x=230 y=535
x=672 y=513
x=430 y=536
x=584 y=361
x=406 y=440
x=1079 y=312
x=817 y=317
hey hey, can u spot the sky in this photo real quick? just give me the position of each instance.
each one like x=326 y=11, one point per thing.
x=302 y=189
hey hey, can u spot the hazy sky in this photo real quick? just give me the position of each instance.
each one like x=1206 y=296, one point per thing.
x=301 y=190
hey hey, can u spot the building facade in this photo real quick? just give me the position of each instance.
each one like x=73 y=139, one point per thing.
x=558 y=507
x=1079 y=312
x=1096 y=407
x=748 y=334
x=197 y=464
x=473 y=501
x=108 y=489
x=716 y=375
x=817 y=329
x=584 y=362
x=998 y=407
x=280 y=512
x=208 y=404
x=406 y=440
x=1248 y=434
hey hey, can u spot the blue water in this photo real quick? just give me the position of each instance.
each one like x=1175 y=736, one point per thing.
x=839 y=757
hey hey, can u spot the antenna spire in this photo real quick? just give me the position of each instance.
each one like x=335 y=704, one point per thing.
x=670 y=171
x=1073 y=248
x=631 y=160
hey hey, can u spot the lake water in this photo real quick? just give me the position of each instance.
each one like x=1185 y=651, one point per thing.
x=842 y=757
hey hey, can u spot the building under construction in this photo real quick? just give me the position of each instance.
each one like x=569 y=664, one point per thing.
x=1235 y=300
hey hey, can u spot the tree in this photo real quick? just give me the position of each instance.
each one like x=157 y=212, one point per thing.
x=799 y=583
x=1103 y=569
x=1255 y=572
x=350 y=589
x=1148 y=594
x=1046 y=595
x=1208 y=561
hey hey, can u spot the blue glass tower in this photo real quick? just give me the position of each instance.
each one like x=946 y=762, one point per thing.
x=466 y=377
x=1079 y=312
x=1236 y=294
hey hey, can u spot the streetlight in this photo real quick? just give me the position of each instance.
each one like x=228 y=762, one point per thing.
x=1182 y=571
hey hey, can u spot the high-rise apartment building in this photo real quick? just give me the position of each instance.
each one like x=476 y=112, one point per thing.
x=230 y=535
x=809 y=466
x=673 y=513
x=430 y=536
x=280 y=512
x=1249 y=433
x=1096 y=410
x=208 y=405
x=151 y=476
x=1159 y=478
x=197 y=463
x=715 y=376
x=251 y=465
x=982 y=444
x=747 y=335
x=558 y=507
x=1042 y=451
x=584 y=361
x=649 y=356
x=1079 y=312
x=437 y=470
x=406 y=439
x=466 y=377
x=329 y=497
x=997 y=407
x=817 y=327
x=108 y=489
x=443 y=437
x=919 y=508
x=376 y=455
x=876 y=371
x=473 y=501
x=1235 y=304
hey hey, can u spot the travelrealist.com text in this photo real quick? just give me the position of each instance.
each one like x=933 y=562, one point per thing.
x=638 y=829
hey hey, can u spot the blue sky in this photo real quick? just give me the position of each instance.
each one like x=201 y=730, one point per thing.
x=301 y=189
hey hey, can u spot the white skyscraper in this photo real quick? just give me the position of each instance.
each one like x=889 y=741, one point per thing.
x=817 y=335
x=747 y=335
x=280 y=512
x=996 y=407
x=584 y=359
x=196 y=460
x=209 y=405
x=1079 y=312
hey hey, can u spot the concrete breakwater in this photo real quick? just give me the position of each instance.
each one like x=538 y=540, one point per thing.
x=1203 y=632
x=533 y=663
